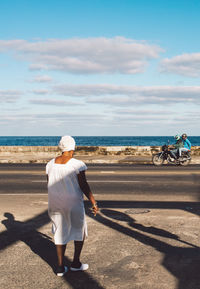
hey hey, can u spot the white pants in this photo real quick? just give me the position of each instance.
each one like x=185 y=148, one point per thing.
x=182 y=150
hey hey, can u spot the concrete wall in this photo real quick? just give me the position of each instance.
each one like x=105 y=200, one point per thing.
x=41 y=154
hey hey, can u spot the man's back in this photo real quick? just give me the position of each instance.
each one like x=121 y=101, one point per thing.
x=179 y=144
x=187 y=144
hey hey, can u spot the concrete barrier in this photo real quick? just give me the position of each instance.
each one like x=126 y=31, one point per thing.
x=90 y=154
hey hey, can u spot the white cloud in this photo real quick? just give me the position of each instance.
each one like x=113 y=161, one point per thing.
x=89 y=55
x=40 y=91
x=185 y=64
x=127 y=95
x=144 y=112
x=9 y=96
x=87 y=123
x=42 y=78
x=62 y=117
x=91 y=119
x=54 y=102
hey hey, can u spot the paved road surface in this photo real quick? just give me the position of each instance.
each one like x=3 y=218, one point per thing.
x=126 y=249
x=109 y=179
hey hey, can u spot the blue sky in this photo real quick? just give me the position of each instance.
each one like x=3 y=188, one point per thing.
x=99 y=67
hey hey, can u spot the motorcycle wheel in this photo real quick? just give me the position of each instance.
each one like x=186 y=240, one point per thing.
x=157 y=160
x=185 y=163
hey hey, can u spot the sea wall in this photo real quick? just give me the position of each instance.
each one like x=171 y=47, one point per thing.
x=41 y=154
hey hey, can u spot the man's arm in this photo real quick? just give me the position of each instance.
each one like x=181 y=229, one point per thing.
x=189 y=143
x=87 y=191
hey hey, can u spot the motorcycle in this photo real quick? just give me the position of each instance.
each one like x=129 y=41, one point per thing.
x=166 y=155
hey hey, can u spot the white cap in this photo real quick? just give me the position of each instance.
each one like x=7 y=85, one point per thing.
x=67 y=143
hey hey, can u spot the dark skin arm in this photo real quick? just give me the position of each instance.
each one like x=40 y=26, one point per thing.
x=87 y=191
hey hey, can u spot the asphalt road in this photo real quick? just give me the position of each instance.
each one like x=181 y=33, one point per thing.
x=146 y=235
x=109 y=179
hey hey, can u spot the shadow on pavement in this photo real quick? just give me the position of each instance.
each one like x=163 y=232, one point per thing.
x=183 y=263
x=192 y=207
x=17 y=229
x=42 y=246
x=147 y=229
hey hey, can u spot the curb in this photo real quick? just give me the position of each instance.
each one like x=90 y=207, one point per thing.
x=93 y=161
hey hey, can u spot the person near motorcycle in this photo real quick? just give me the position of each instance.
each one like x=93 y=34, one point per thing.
x=186 y=144
x=178 y=145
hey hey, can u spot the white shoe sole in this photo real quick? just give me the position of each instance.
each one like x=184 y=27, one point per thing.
x=63 y=273
x=83 y=267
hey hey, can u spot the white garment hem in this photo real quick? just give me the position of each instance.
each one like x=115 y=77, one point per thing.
x=71 y=239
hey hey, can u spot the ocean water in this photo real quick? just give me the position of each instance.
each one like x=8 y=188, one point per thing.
x=94 y=140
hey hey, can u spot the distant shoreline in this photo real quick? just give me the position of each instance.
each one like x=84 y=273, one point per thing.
x=89 y=154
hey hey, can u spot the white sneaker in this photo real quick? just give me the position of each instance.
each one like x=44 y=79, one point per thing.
x=83 y=267
x=60 y=274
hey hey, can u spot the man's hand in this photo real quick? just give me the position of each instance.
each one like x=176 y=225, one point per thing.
x=95 y=209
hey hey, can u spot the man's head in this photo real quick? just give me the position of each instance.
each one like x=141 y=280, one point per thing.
x=177 y=137
x=67 y=143
x=184 y=136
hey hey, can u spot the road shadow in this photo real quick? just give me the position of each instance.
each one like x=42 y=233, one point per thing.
x=42 y=245
x=192 y=207
x=181 y=262
x=146 y=229
x=16 y=229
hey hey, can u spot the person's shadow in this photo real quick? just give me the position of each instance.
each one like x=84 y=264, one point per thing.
x=42 y=246
x=147 y=229
x=182 y=262
x=38 y=242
